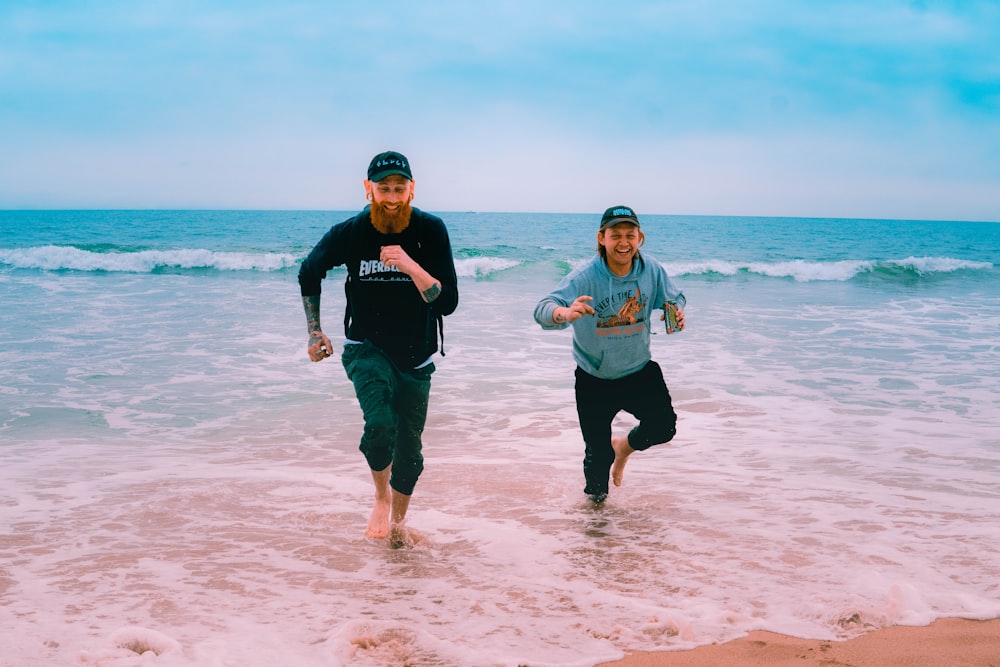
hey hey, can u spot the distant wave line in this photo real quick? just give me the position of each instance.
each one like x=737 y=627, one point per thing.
x=56 y=258
x=805 y=271
x=69 y=258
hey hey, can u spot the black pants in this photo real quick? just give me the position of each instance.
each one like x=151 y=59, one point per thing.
x=644 y=395
x=394 y=404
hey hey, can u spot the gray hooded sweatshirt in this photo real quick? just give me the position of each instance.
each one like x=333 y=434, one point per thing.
x=614 y=342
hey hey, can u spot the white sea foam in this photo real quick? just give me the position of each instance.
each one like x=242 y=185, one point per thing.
x=806 y=271
x=54 y=258
x=480 y=267
x=133 y=645
x=926 y=265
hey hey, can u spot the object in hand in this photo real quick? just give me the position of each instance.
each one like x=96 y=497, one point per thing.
x=670 y=310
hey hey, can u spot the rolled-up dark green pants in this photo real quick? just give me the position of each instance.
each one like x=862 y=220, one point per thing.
x=394 y=404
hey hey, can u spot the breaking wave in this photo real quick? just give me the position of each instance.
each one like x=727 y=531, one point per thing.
x=70 y=258
x=807 y=271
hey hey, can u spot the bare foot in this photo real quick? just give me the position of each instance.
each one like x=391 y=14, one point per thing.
x=378 y=524
x=622 y=451
x=401 y=536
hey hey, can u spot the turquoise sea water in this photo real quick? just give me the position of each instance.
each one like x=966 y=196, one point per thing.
x=175 y=472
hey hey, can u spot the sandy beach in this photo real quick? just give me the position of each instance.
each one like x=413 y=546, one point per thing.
x=950 y=642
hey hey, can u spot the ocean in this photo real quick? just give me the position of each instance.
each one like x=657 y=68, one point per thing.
x=180 y=486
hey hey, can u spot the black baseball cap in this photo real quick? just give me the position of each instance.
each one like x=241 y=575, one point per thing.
x=617 y=214
x=387 y=164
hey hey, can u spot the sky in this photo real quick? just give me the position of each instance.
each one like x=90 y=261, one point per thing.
x=854 y=109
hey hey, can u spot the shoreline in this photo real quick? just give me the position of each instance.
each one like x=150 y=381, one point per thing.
x=947 y=642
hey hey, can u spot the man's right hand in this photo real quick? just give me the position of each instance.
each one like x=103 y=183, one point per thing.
x=319 y=346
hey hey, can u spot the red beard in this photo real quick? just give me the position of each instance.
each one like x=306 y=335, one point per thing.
x=393 y=222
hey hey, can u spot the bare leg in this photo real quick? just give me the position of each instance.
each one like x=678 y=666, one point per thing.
x=378 y=524
x=388 y=517
x=399 y=534
x=622 y=451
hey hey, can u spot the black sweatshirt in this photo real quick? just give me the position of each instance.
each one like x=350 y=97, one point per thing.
x=383 y=304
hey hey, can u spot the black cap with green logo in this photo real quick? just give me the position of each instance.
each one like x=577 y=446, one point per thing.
x=389 y=163
x=617 y=214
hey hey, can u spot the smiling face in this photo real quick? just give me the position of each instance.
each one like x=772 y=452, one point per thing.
x=619 y=245
x=390 y=199
x=391 y=192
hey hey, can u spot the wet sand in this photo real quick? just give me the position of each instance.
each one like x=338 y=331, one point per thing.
x=950 y=642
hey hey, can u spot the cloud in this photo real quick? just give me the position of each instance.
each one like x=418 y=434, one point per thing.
x=786 y=108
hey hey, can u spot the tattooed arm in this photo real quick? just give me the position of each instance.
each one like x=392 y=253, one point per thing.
x=319 y=345
x=428 y=286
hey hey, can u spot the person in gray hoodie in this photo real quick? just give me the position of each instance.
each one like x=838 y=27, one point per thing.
x=609 y=302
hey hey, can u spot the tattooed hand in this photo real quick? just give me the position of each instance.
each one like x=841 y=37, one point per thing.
x=319 y=346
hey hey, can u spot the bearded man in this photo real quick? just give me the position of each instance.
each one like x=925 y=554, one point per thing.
x=401 y=282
